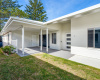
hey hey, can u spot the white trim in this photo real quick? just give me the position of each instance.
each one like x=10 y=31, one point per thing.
x=27 y=20
x=27 y=23
x=75 y=13
x=47 y=40
x=68 y=17
x=5 y=27
x=41 y=39
x=23 y=40
x=6 y=24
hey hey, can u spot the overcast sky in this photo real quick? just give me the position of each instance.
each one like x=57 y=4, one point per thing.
x=58 y=8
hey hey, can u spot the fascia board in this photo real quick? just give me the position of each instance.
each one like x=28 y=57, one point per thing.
x=74 y=13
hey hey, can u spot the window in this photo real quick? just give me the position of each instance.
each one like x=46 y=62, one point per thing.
x=97 y=38
x=68 y=43
x=54 y=38
x=68 y=39
x=94 y=38
x=68 y=35
x=90 y=38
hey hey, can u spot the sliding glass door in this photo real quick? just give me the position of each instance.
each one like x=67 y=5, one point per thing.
x=94 y=38
x=97 y=38
x=90 y=37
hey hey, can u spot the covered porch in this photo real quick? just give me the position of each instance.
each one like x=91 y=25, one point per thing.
x=34 y=50
x=26 y=34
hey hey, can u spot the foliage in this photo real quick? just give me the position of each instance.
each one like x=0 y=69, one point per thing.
x=1 y=52
x=36 y=11
x=9 y=8
x=19 y=13
x=8 y=49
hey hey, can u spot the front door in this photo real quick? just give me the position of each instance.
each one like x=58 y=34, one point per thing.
x=43 y=40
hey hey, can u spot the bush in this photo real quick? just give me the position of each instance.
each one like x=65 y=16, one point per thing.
x=8 y=49
x=1 y=52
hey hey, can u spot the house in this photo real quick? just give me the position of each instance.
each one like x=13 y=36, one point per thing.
x=78 y=32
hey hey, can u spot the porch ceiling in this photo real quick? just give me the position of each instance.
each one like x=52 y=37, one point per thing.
x=17 y=25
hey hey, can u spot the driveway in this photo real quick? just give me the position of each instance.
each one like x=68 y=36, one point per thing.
x=63 y=54
x=78 y=58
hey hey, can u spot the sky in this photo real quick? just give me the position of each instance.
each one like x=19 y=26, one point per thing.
x=58 y=8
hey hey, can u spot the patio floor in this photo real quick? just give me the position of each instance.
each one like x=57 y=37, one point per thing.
x=34 y=50
x=63 y=54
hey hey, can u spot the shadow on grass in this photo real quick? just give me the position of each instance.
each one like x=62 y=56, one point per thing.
x=30 y=67
x=47 y=71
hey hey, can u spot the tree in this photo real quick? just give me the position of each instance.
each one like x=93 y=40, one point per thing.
x=19 y=13
x=36 y=11
x=5 y=10
x=9 y=8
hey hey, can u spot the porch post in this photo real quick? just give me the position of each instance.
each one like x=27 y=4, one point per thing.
x=47 y=40
x=23 y=40
x=41 y=40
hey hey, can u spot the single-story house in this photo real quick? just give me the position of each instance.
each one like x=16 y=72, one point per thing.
x=78 y=32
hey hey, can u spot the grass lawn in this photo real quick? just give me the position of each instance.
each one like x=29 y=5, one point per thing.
x=44 y=67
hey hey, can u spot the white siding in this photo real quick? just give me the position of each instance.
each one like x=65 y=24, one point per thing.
x=5 y=40
x=61 y=30
x=17 y=35
x=79 y=27
x=66 y=28
x=56 y=27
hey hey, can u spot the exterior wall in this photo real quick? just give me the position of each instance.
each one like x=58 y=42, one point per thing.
x=66 y=28
x=5 y=40
x=79 y=38
x=60 y=30
x=57 y=28
x=17 y=35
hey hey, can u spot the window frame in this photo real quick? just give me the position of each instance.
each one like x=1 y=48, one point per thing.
x=93 y=37
x=54 y=42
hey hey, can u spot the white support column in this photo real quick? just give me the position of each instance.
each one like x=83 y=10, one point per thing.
x=41 y=40
x=23 y=40
x=47 y=40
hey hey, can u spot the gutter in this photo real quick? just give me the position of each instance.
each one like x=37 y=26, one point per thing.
x=10 y=19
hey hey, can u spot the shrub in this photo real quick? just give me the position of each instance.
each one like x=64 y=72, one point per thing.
x=8 y=49
x=1 y=52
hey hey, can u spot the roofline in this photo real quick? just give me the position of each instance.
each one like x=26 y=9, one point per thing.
x=21 y=19
x=9 y=20
x=75 y=13
x=48 y=22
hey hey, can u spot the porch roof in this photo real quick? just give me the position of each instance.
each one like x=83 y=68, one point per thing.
x=15 y=23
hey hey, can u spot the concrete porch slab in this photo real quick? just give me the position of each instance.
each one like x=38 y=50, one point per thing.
x=34 y=50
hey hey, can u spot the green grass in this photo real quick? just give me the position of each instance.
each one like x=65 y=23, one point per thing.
x=44 y=67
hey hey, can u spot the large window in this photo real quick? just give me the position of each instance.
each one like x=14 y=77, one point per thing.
x=54 y=38
x=90 y=38
x=97 y=38
x=94 y=38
